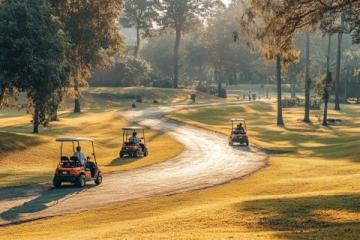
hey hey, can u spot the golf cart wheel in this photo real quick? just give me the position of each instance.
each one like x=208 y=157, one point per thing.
x=56 y=182
x=146 y=153
x=247 y=143
x=80 y=181
x=121 y=154
x=98 y=180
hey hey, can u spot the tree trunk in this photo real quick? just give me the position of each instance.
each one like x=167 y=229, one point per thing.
x=77 y=108
x=176 y=57
x=326 y=100
x=280 y=121
x=267 y=87
x=338 y=69
x=326 y=97
x=328 y=54
x=327 y=83
x=2 y=96
x=307 y=80
x=218 y=78
x=36 y=119
x=358 y=96
x=54 y=114
x=138 y=42
x=293 y=87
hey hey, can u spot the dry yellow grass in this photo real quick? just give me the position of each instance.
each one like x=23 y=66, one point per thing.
x=27 y=158
x=310 y=190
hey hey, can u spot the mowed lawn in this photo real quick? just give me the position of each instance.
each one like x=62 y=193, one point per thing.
x=309 y=190
x=26 y=158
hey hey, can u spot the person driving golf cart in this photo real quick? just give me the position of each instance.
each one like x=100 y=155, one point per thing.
x=134 y=139
x=133 y=146
x=80 y=156
x=77 y=168
x=239 y=129
x=238 y=133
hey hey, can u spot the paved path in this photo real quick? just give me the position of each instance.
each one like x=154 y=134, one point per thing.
x=206 y=161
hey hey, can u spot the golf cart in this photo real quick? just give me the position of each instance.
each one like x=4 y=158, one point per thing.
x=238 y=133
x=70 y=168
x=132 y=148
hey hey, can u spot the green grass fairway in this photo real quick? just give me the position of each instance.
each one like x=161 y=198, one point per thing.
x=124 y=97
x=309 y=190
x=26 y=158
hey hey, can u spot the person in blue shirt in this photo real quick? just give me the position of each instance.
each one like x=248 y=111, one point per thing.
x=80 y=156
x=134 y=138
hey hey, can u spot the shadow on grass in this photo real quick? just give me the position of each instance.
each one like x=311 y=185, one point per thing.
x=332 y=147
x=41 y=202
x=297 y=216
x=122 y=161
x=14 y=141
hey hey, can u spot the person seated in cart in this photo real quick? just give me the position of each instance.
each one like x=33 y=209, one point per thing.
x=134 y=139
x=80 y=156
x=239 y=128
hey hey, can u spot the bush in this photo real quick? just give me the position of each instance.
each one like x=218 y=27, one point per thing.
x=315 y=103
x=127 y=71
x=222 y=93
x=162 y=83
x=202 y=88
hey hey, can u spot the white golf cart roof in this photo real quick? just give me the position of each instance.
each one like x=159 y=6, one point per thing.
x=237 y=119
x=74 y=139
x=132 y=128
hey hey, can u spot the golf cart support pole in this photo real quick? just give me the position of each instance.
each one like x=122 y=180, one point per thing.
x=61 y=150
x=92 y=143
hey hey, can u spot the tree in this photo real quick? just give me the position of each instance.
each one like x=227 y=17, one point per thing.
x=323 y=87
x=338 y=69
x=307 y=79
x=92 y=29
x=140 y=14
x=326 y=26
x=352 y=67
x=158 y=52
x=273 y=45
x=327 y=83
x=291 y=16
x=178 y=15
x=36 y=64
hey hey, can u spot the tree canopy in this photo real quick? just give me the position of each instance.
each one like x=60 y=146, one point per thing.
x=140 y=14
x=33 y=54
x=179 y=15
x=92 y=29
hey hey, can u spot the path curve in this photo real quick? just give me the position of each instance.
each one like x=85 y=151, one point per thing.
x=206 y=161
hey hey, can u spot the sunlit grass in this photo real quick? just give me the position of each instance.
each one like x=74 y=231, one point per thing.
x=26 y=158
x=124 y=97
x=309 y=190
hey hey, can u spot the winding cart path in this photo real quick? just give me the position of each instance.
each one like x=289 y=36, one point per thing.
x=206 y=161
